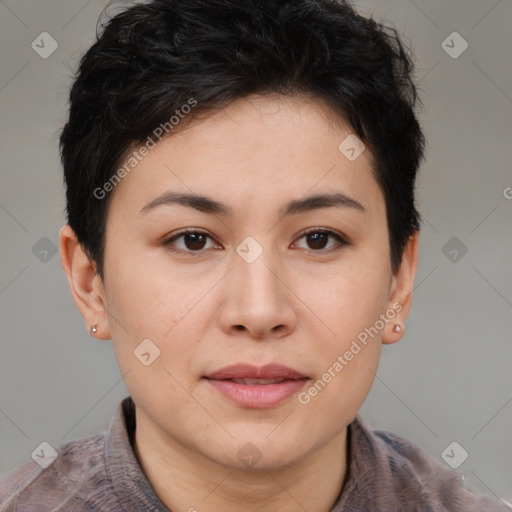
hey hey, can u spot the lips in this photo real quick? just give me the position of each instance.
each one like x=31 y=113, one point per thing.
x=256 y=387
x=248 y=371
x=252 y=382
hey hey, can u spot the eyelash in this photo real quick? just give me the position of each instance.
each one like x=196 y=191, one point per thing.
x=340 y=240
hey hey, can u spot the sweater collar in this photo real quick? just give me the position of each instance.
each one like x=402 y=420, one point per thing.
x=130 y=483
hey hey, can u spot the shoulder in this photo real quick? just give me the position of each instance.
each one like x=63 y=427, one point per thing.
x=79 y=466
x=436 y=486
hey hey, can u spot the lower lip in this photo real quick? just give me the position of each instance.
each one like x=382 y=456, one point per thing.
x=258 y=395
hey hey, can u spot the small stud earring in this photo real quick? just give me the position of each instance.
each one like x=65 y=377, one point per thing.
x=93 y=330
x=397 y=328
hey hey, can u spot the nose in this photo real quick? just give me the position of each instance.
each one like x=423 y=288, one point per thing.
x=257 y=301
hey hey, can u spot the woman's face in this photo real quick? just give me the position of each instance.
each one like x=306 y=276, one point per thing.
x=252 y=287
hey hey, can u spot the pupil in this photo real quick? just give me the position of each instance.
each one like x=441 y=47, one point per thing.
x=318 y=240
x=196 y=243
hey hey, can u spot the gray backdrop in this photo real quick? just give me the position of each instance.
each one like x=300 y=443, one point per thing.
x=448 y=380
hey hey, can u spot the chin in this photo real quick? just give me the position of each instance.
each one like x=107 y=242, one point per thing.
x=251 y=460
x=256 y=451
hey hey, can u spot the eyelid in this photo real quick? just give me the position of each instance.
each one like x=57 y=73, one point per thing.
x=174 y=236
x=319 y=229
x=341 y=239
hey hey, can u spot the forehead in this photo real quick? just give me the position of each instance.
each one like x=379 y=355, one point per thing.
x=262 y=148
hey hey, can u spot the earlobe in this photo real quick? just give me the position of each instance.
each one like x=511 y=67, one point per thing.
x=401 y=291
x=85 y=285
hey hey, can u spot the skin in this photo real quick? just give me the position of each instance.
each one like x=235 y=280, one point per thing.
x=297 y=304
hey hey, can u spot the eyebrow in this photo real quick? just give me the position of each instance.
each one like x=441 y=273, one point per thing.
x=208 y=205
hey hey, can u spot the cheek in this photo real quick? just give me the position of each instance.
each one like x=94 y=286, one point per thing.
x=166 y=309
x=347 y=302
x=347 y=305
x=346 y=357
x=148 y=298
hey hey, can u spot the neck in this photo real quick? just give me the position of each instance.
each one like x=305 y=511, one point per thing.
x=200 y=484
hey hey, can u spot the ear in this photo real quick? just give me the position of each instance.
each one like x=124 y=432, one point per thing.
x=86 y=286
x=402 y=284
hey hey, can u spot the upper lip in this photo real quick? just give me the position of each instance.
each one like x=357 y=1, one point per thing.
x=244 y=370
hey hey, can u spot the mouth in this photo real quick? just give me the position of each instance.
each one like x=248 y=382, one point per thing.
x=252 y=382
x=269 y=371
x=256 y=387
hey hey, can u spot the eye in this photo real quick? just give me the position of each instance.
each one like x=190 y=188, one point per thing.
x=193 y=241
x=318 y=239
